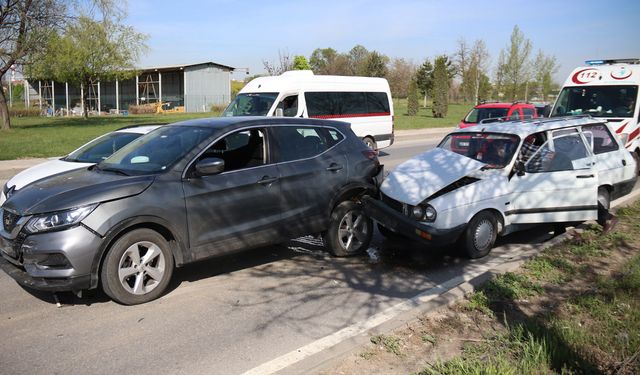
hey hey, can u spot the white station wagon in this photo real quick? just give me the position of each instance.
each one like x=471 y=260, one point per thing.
x=491 y=180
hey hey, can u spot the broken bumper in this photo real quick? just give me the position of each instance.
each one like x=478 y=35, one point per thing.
x=401 y=224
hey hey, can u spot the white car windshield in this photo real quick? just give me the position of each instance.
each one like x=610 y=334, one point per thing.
x=494 y=149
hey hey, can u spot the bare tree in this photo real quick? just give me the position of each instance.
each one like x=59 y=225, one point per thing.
x=400 y=74
x=283 y=64
x=478 y=67
x=25 y=26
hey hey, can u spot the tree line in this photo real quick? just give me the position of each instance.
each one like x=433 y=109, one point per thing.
x=467 y=75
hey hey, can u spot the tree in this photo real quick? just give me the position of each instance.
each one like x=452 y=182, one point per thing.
x=461 y=58
x=282 y=65
x=424 y=79
x=400 y=74
x=478 y=67
x=90 y=51
x=516 y=68
x=300 y=63
x=412 y=99
x=357 y=58
x=544 y=68
x=321 y=60
x=440 y=87
x=375 y=65
x=24 y=29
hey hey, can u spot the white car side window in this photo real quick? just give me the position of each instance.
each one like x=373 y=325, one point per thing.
x=562 y=153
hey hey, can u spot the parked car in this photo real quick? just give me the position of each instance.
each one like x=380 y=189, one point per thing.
x=507 y=178
x=85 y=156
x=186 y=192
x=498 y=112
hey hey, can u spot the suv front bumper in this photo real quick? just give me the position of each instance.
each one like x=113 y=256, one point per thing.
x=401 y=224
x=53 y=261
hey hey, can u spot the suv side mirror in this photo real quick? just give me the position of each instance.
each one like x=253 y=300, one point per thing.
x=209 y=166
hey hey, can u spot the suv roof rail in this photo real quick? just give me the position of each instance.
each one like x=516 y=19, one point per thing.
x=613 y=61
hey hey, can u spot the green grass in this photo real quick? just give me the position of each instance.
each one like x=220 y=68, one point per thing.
x=390 y=343
x=46 y=136
x=593 y=330
x=424 y=118
x=32 y=137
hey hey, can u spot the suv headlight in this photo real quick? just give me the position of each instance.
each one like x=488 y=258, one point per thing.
x=424 y=213
x=59 y=220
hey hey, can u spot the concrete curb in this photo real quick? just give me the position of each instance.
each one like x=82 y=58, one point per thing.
x=332 y=356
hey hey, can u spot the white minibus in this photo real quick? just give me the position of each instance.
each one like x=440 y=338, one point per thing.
x=365 y=102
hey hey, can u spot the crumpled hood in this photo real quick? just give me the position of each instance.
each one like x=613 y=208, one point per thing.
x=423 y=175
x=74 y=189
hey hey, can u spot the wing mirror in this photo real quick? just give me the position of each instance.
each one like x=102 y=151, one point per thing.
x=209 y=166
x=546 y=112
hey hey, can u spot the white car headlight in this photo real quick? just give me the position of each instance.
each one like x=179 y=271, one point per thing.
x=424 y=213
x=59 y=220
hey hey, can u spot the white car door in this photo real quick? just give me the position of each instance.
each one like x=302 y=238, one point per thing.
x=558 y=184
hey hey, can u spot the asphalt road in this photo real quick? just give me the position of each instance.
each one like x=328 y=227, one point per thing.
x=233 y=314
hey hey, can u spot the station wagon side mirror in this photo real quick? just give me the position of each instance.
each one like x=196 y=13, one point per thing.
x=279 y=112
x=209 y=166
x=546 y=112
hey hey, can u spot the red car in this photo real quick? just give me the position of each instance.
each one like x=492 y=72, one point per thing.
x=498 y=111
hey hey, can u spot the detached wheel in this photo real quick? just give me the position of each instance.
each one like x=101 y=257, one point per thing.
x=350 y=230
x=370 y=143
x=137 y=268
x=480 y=235
x=604 y=203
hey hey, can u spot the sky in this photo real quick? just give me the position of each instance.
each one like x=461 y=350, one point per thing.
x=243 y=34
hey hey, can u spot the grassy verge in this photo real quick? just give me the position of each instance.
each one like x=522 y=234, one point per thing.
x=47 y=136
x=574 y=308
x=32 y=137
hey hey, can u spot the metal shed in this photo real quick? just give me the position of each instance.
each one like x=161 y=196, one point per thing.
x=189 y=87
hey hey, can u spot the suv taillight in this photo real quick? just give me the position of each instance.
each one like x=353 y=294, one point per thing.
x=371 y=155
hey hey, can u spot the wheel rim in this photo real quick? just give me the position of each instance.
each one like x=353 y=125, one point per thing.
x=141 y=268
x=352 y=232
x=483 y=234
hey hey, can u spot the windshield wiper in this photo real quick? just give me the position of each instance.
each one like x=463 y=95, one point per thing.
x=114 y=170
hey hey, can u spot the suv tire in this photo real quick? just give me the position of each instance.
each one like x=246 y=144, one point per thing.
x=137 y=267
x=350 y=230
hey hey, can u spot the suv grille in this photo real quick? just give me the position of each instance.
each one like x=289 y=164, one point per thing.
x=9 y=220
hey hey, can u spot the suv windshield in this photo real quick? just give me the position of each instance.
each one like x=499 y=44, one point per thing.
x=478 y=114
x=156 y=151
x=250 y=104
x=101 y=148
x=599 y=101
x=494 y=149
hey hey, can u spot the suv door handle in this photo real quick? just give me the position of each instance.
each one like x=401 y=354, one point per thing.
x=266 y=180
x=334 y=167
x=585 y=176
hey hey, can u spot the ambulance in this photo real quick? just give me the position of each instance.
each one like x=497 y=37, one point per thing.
x=605 y=89
x=365 y=102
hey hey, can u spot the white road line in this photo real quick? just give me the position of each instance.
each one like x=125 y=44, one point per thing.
x=326 y=342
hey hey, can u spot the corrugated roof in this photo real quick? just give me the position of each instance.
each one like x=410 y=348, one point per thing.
x=182 y=66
